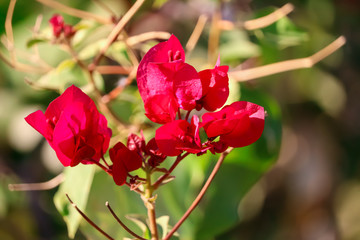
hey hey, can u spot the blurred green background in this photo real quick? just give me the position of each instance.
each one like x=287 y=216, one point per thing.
x=312 y=188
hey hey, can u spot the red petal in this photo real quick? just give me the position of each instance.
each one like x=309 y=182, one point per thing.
x=242 y=136
x=167 y=137
x=216 y=85
x=72 y=94
x=130 y=159
x=119 y=172
x=38 y=121
x=157 y=54
x=161 y=108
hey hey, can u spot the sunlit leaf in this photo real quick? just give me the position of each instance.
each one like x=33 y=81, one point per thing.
x=163 y=222
x=35 y=41
x=77 y=185
x=140 y=221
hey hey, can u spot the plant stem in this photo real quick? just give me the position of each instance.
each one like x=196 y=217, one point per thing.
x=116 y=31
x=166 y=175
x=88 y=219
x=121 y=223
x=200 y=195
x=150 y=205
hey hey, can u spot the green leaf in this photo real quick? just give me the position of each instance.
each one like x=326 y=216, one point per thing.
x=235 y=45
x=117 y=51
x=67 y=64
x=35 y=41
x=77 y=185
x=91 y=49
x=66 y=73
x=140 y=221
x=163 y=222
x=159 y=3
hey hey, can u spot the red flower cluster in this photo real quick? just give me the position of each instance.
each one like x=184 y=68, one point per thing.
x=130 y=158
x=168 y=84
x=73 y=127
x=59 y=26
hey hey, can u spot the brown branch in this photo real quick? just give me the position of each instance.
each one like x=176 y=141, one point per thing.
x=9 y=29
x=195 y=35
x=214 y=38
x=259 y=22
x=200 y=195
x=107 y=69
x=116 y=91
x=88 y=219
x=143 y=37
x=38 y=186
x=74 y=12
x=35 y=85
x=121 y=223
x=22 y=67
x=308 y=62
x=270 y=18
x=116 y=31
x=167 y=174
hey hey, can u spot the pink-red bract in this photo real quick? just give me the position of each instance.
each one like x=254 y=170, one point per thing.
x=73 y=127
x=239 y=124
x=124 y=160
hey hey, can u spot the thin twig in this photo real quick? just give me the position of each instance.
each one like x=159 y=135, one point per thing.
x=259 y=22
x=74 y=12
x=214 y=38
x=167 y=174
x=108 y=69
x=22 y=67
x=200 y=195
x=195 y=35
x=9 y=30
x=121 y=223
x=308 y=62
x=35 y=85
x=52 y=183
x=270 y=18
x=134 y=189
x=143 y=37
x=116 y=31
x=88 y=219
x=116 y=91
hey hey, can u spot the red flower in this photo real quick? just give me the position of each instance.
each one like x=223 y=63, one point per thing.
x=73 y=127
x=156 y=156
x=58 y=25
x=174 y=137
x=215 y=87
x=166 y=83
x=124 y=161
x=238 y=125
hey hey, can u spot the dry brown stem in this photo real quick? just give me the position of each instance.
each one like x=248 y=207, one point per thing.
x=88 y=219
x=38 y=186
x=9 y=30
x=195 y=35
x=116 y=31
x=270 y=18
x=288 y=65
x=143 y=37
x=260 y=22
x=75 y=12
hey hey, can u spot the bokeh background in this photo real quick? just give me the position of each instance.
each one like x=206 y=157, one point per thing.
x=311 y=191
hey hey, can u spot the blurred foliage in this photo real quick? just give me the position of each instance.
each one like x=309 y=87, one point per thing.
x=318 y=105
